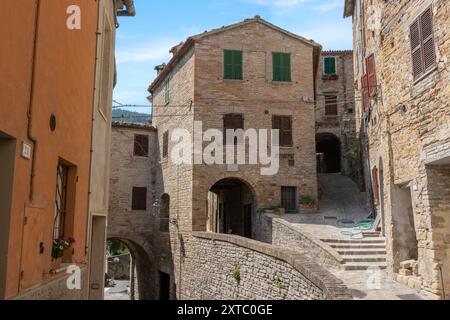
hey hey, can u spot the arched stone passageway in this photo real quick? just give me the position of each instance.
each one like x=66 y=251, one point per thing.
x=140 y=267
x=328 y=149
x=231 y=204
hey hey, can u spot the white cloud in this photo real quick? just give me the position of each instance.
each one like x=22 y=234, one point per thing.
x=331 y=36
x=329 y=5
x=157 y=50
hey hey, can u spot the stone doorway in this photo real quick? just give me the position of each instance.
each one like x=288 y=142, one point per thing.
x=328 y=149
x=403 y=219
x=231 y=205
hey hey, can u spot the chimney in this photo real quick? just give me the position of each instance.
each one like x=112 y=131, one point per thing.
x=159 y=68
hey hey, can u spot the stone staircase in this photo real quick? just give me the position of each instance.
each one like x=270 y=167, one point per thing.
x=361 y=254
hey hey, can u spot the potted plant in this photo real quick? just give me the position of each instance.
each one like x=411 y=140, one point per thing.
x=59 y=248
x=308 y=204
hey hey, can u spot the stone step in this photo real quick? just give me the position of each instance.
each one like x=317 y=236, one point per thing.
x=364 y=258
x=364 y=265
x=372 y=234
x=358 y=246
x=362 y=241
x=350 y=252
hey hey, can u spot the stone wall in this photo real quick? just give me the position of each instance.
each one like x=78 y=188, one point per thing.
x=119 y=267
x=225 y=267
x=287 y=236
x=341 y=125
x=409 y=138
x=136 y=229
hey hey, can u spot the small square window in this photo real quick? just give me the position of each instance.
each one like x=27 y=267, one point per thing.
x=329 y=66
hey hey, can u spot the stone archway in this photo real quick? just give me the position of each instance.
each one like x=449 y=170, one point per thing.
x=141 y=270
x=328 y=149
x=231 y=207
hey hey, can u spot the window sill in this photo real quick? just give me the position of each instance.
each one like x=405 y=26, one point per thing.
x=61 y=269
x=326 y=77
x=233 y=80
x=140 y=157
x=282 y=82
x=426 y=74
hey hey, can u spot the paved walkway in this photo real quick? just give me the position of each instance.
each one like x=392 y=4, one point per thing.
x=342 y=200
x=119 y=292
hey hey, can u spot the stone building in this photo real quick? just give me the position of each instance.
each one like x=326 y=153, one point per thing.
x=335 y=122
x=402 y=114
x=137 y=212
x=248 y=75
x=47 y=98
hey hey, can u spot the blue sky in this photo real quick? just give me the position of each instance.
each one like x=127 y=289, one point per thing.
x=144 y=41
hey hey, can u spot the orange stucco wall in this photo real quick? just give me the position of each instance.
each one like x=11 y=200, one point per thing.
x=64 y=81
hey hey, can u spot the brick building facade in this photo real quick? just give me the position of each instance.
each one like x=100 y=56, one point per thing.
x=248 y=75
x=401 y=71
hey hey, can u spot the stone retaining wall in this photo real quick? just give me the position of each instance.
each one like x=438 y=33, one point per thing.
x=287 y=235
x=231 y=267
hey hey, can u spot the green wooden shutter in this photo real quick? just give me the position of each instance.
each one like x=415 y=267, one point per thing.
x=286 y=67
x=237 y=65
x=281 y=66
x=228 y=64
x=329 y=65
x=233 y=64
x=276 y=62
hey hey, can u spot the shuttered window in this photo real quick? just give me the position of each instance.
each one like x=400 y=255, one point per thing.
x=281 y=66
x=371 y=75
x=331 y=108
x=288 y=198
x=423 y=53
x=284 y=124
x=232 y=121
x=165 y=146
x=167 y=91
x=329 y=66
x=139 y=199
x=140 y=145
x=233 y=64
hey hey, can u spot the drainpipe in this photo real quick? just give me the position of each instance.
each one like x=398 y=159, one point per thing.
x=30 y=135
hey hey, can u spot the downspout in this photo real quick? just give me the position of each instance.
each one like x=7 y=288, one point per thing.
x=30 y=135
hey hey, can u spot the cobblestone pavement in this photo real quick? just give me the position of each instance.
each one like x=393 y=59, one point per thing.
x=119 y=292
x=342 y=200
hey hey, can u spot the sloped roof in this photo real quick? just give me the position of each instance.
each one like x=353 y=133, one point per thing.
x=191 y=40
x=336 y=52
